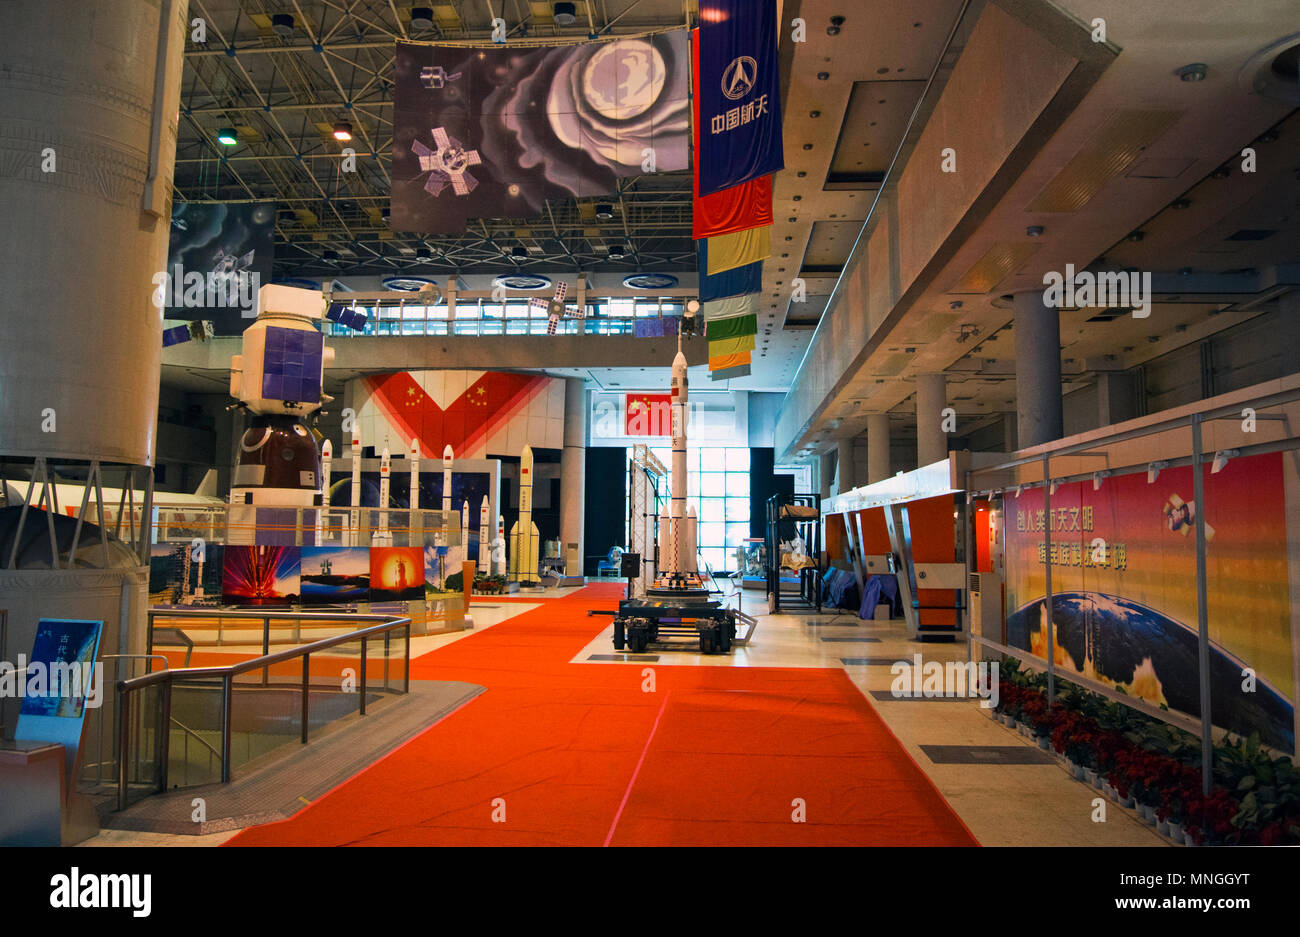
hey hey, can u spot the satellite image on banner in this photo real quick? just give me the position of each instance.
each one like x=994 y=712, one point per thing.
x=493 y=133
x=218 y=243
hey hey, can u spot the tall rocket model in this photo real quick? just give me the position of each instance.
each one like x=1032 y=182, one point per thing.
x=484 y=519
x=383 y=536
x=277 y=378
x=355 y=491
x=415 y=521
x=524 y=535
x=677 y=528
x=326 y=461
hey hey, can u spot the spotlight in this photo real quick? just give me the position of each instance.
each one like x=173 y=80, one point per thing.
x=1034 y=230
x=617 y=252
x=421 y=18
x=1153 y=471
x=1221 y=459
x=1194 y=72
x=519 y=252
x=226 y=136
x=343 y=131
x=282 y=24
x=604 y=211
x=423 y=253
x=565 y=14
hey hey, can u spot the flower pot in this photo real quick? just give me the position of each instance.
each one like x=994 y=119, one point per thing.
x=1045 y=742
x=1090 y=776
x=1128 y=803
x=1162 y=827
x=1008 y=721
x=1176 y=832
x=1187 y=839
x=1024 y=729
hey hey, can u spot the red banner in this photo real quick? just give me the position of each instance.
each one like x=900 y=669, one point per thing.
x=647 y=415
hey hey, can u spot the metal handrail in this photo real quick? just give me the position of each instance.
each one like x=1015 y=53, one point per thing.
x=126 y=689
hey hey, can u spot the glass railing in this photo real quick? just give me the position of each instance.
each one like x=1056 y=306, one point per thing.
x=187 y=726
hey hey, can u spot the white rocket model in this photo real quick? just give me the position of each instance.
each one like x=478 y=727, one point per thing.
x=483 y=521
x=383 y=536
x=355 y=502
x=524 y=535
x=326 y=461
x=446 y=494
x=414 y=519
x=464 y=530
x=677 y=529
x=499 y=549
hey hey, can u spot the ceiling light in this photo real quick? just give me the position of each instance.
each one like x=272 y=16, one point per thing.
x=823 y=76
x=565 y=14
x=227 y=136
x=604 y=211
x=330 y=255
x=519 y=252
x=616 y=252
x=1194 y=72
x=421 y=18
x=1034 y=230
x=423 y=253
x=343 y=131
x=1137 y=236
x=282 y=24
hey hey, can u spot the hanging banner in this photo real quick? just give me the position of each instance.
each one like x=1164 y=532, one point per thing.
x=741 y=281
x=731 y=307
x=733 y=360
x=647 y=415
x=748 y=205
x=734 y=327
x=731 y=346
x=494 y=133
x=739 y=94
x=729 y=373
x=218 y=256
x=1124 y=603
x=730 y=251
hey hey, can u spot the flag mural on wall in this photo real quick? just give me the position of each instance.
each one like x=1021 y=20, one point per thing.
x=496 y=132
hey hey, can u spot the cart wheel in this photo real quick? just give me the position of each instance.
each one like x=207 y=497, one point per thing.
x=619 y=640
x=706 y=643
x=637 y=642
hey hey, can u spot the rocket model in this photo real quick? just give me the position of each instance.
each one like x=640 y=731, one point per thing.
x=415 y=521
x=483 y=522
x=326 y=462
x=383 y=536
x=499 y=549
x=277 y=378
x=355 y=502
x=464 y=530
x=677 y=529
x=524 y=535
x=446 y=494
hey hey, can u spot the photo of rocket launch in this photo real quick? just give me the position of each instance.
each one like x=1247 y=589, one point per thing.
x=260 y=575
x=396 y=574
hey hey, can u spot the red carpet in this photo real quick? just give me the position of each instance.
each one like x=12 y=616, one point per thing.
x=579 y=754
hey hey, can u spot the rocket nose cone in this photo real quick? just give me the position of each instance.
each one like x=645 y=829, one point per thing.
x=446 y=451
x=679 y=362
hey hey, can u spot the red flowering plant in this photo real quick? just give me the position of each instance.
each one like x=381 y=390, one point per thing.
x=1209 y=819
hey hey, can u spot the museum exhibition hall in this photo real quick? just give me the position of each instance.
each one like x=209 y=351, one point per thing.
x=649 y=423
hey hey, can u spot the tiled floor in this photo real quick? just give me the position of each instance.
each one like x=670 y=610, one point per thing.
x=1002 y=804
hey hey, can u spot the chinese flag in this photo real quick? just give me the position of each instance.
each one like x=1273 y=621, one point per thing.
x=647 y=415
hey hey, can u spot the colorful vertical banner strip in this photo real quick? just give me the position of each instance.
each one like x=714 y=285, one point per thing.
x=738 y=281
x=739 y=133
x=739 y=249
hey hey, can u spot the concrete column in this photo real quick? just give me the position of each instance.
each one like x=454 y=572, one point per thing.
x=931 y=398
x=1115 y=398
x=573 y=469
x=825 y=473
x=846 y=465
x=877 y=447
x=1038 y=370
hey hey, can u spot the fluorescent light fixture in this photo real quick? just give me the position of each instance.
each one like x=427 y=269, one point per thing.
x=564 y=13
x=1153 y=471
x=343 y=130
x=226 y=136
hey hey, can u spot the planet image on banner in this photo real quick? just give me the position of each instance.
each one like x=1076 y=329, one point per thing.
x=1148 y=655
x=624 y=79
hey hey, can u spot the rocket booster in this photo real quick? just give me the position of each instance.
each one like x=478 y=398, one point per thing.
x=483 y=533
x=681 y=558
x=326 y=461
x=414 y=456
x=383 y=535
x=355 y=501
x=523 y=538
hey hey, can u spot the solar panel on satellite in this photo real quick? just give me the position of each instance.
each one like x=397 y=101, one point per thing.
x=291 y=364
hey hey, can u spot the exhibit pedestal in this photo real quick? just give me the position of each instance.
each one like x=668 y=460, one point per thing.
x=31 y=776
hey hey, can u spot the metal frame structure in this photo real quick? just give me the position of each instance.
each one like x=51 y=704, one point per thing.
x=810 y=578
x=643 y=504
x=1195 y=423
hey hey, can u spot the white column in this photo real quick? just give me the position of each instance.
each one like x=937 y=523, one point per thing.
x=573 y=469
x=877 y=447
x=848 y=480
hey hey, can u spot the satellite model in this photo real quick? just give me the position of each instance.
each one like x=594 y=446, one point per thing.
x=278 y=380
x=435 y=77
x=447 y=165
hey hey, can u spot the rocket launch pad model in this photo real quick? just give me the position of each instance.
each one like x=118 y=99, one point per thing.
x=524 y=535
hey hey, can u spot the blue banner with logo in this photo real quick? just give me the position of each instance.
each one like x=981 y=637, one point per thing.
x=739 y=93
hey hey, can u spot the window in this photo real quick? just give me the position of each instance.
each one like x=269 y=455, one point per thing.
x=718 y=490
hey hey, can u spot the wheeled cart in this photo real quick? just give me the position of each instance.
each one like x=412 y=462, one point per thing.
x=641 y=621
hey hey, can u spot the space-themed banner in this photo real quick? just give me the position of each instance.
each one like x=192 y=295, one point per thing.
x=492 y=133
x=1124 y=610
x=739 y=94
x=219 y=255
